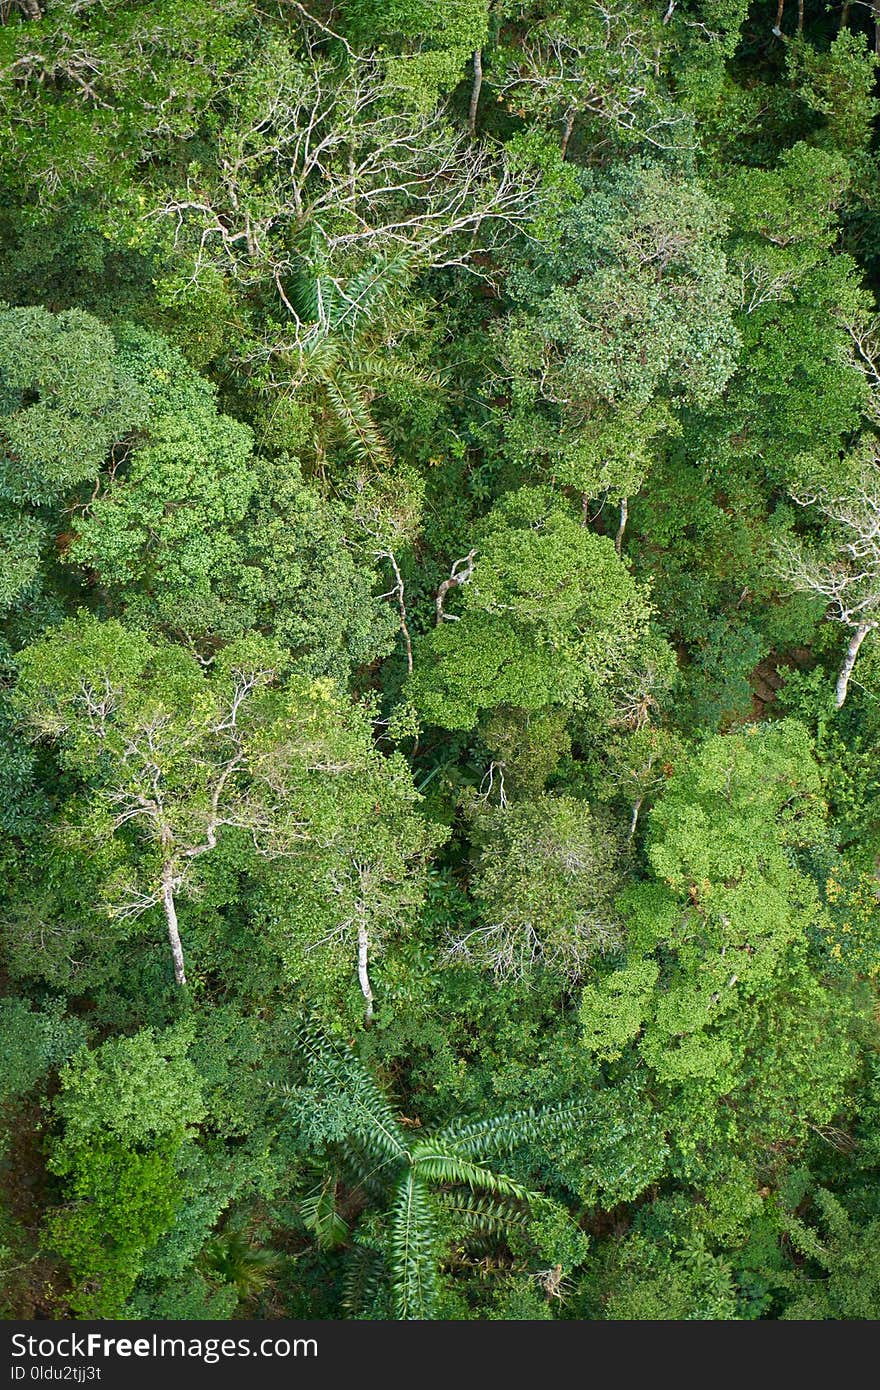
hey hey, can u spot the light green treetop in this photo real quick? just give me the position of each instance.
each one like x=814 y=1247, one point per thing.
x=631 y=312
x=550 y=613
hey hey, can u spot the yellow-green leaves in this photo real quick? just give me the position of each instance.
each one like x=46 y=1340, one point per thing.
x=550 y=613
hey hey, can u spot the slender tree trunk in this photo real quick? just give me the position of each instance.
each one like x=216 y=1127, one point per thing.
x=363 y=974
x=401 y=608
x=624 y=513
x=800 y=23
x=635 y=818
x=171 y=920
x=777 y=27
x=566 y=132
x=476 y=88
x=844 y=14
x=849 y=660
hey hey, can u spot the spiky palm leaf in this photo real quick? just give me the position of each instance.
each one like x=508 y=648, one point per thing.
x=375 y=365
x=415 y=1250
x=232 y=1257
x=370 y=1116
x=333 y=343
x=365 y=1283
x=453 y=1160
x=319 y=1215
x=477 y=1215
x=366 y=298
x=352 y=413
x=503 y=1134
x=438 y=1165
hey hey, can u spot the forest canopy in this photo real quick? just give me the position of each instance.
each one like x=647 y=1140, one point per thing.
x=439 y=659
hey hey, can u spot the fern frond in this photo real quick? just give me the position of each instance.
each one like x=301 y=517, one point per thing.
x=415 y=1252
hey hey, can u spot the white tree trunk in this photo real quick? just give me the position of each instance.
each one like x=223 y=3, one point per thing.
x=476 y=88
x=401 y=608
x=171 y=920
x=624 y=513
x=849 y=660
x=363 y=975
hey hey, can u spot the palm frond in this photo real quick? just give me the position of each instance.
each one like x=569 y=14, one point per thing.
x=379 y=365
x=319 y=1215
x=505 y=1133
x=319 y=356
x=313 y=296
x=349 y=405
x=368 y=292
x=370 y=1116
x=415 y=1252
x=439 y=1165
x=367 y=1171
x=479 y=1215
x=365 y=1284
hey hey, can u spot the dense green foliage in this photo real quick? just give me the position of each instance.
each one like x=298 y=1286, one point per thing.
x=439 y=674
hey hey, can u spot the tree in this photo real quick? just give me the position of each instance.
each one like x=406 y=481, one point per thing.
x=297 y=574
x=591 y=63
x=34 y=1042
x=177 y=755
x=629 y=313
x=845 y=1254
x=838 y=83
x=356 y=886
x=102 y=89
x=718 y=976
x=65 y=403
x=185 y=757
x=845 y=570
x=386 y=518
x=636 y=763
x=728 y=822
x=325 y=194
x=432 y=440
x=432 y=48
x=348 y=1108
x=544 y=882
x=126 y=1109
x=165 y=750
x=187 y=531
x=160 y=528
x=549 y=614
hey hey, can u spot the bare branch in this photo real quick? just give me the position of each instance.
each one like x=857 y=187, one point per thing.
x=461 y=573
x=847 y=577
